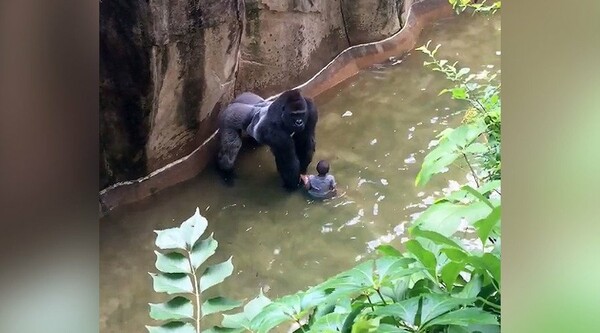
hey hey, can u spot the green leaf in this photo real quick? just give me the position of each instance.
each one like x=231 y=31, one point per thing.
x=478 y=195
x=218 y=329
x=215 y=274
x=459 y=93
x=476 y=148
x=463 y=71
x=177 y=308
x=464 y=317
x=484 y=226
x=331 y=322
x=169 y=239
x=251 y=310
x=445 y=217
x=387 y=328
x=435 y=305
x=349 y=322
x=192 y=228
x=218 y=304
x=434 y=237
x=172 y=327
x=388 y=267
x=424 y=256
x=172 y=283
x=405 y=310
x=451 y=145
x=172 y=263
x=275 y=314
x=388 y=250
x=471 y=289
x=365 y=325
x=203 y=250
x=455 y=254
x=450 y=273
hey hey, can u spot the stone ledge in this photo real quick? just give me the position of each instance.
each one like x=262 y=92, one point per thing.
x=347 y=64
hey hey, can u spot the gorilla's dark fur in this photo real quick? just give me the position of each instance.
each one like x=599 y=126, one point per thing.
x=286 y=125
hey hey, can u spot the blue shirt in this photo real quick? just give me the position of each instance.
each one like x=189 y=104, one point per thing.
x=321 y=186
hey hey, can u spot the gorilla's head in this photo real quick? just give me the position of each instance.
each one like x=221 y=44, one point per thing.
x=294 y=113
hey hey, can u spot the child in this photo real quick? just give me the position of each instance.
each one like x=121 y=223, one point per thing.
x=321 y=186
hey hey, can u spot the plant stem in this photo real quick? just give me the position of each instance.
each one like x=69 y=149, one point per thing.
x=485 y=301
x=381 y=296
x=472 y=171
x=196 y=292
x=371 y=303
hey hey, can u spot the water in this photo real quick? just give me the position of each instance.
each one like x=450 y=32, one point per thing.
x=374 y=129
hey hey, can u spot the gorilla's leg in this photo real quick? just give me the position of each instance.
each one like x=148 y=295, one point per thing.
x=287 y=163
x=231 y=142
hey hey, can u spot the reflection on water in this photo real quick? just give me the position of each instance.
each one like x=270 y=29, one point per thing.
x=374 y=130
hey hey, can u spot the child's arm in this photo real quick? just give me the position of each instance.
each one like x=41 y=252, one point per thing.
x=305 y=181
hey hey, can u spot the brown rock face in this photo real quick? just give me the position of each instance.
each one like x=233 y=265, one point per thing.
x=168 y=66
x=285 y=42
x=371 y=20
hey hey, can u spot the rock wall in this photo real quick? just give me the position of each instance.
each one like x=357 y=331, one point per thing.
x=168 y=66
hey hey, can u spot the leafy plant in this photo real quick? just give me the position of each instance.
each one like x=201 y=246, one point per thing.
x=180 y=256
x=478 y=138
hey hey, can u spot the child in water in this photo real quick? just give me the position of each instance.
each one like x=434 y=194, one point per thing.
x=321 y=186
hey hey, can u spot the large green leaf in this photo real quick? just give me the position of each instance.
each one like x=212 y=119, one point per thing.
x=177 y=283
x=434 y=237
x=464 y=317
x=331 y=322
x=215 y=274
x=484 y=226
x=363 y=324
x=218 y=304
x=471 y=289
x=450 y=147
x=184 y=236
x=177 y=308
x=387 y=328
x=172 y=327
x=445 y=217
x=474 y=329
x=203 y=250
x=388 y=250
x=435 y=305
x=192 y=228
x=251 y=309
x=275 y=314
x=424 y=256
x=169 y=239
x=450 y=272
x=392 y=268
x=405 y=310
x=172 y=263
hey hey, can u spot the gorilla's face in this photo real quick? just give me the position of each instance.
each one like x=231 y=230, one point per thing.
x=295 y=116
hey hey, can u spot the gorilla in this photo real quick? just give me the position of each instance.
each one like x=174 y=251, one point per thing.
x=286 y=124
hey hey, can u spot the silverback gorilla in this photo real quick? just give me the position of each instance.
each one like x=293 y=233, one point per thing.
x=286 y=125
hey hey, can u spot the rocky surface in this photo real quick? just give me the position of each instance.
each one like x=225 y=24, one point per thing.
x=167 y=67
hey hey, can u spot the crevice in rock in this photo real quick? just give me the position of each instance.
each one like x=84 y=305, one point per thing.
x=344 y=22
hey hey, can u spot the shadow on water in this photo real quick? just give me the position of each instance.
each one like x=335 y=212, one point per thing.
x=374 y=129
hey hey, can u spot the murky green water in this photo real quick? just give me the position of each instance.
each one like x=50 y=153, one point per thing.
x=374 y=130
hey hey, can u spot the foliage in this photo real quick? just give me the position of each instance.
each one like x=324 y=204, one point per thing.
x=181 y=255
x=483 y=7
x=477 y=140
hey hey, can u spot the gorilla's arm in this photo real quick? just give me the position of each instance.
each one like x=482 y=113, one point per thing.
x=287 y=163
x=305 y=140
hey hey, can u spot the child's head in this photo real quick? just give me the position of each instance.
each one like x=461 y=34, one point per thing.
x=322 y=167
